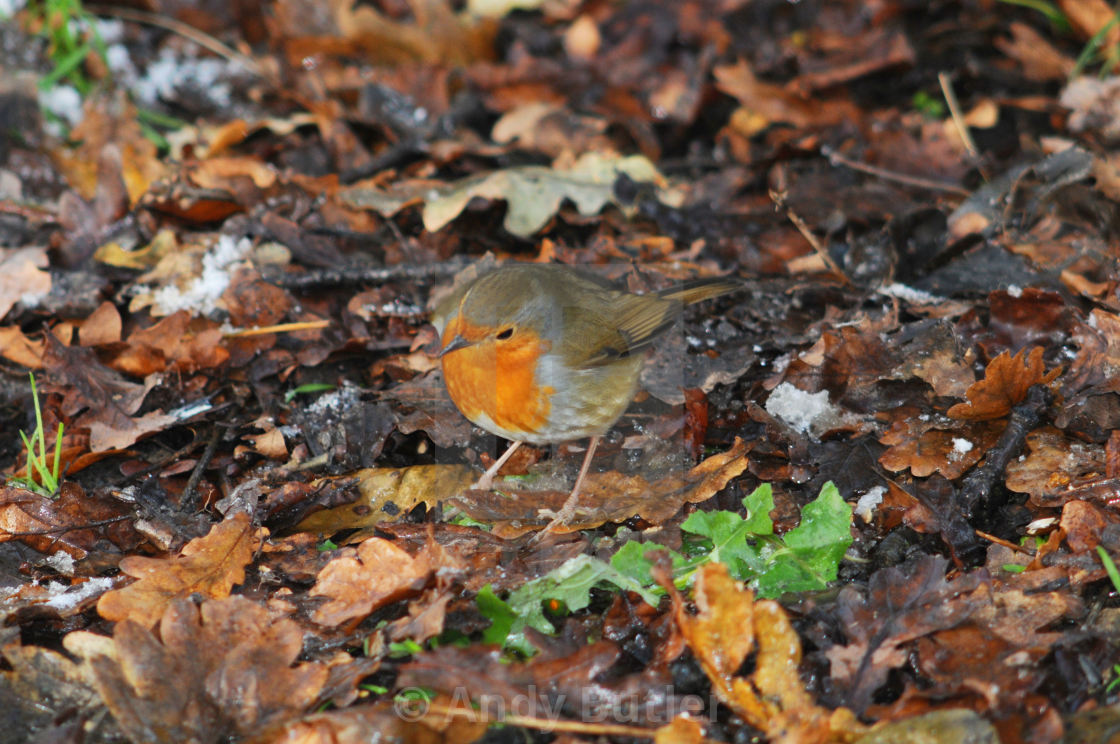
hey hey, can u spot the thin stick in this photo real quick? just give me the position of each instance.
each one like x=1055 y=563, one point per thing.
x=546 y=724
x=201 y=38
x=307 y=325
x=1004 y=543
x=955 y=112
x=822 y=252
x=836 y=158
x=64 y=530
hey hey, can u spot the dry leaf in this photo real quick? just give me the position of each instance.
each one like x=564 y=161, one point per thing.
x=22 y=275
x=729 y=625
x=371 y=576
x=209 y=565
x=605 y=497
x=387 y=494
x=220 y=669
x=1005 y=385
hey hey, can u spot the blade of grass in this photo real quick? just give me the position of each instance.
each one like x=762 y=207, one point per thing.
x=1091 y=47
x=65 y=66
x=1109 y=567
x=38 y=422
x=57 y=458
x=1052 y=12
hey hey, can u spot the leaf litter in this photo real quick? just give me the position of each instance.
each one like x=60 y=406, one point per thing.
x=865 y=499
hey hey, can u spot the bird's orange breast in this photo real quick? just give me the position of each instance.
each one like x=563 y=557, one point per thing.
x=498 y=380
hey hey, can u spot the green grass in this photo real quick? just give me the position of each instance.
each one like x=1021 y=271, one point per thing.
x=48 y=471
x=71 y=34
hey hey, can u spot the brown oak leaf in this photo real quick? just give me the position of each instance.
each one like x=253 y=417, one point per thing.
x=374 y=574
x=220 y=669
x=915 y=444
x=730 y=624
x=1005 y=384
x=209 y=565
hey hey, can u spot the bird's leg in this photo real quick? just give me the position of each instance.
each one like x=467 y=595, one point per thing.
x=568 y=510
x=486 y=482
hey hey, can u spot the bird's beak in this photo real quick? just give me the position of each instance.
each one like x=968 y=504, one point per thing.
x=457 y=342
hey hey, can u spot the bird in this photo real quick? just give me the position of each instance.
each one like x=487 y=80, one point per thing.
x=546 y=353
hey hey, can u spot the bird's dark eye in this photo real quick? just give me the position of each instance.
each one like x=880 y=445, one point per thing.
x=505 y=333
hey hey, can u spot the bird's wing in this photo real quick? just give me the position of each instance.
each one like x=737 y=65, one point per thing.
x=618 y=326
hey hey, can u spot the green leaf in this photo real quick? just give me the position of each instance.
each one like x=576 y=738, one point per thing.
x=570 y=583
x=805 y=558
x=809 y=555
x=630 y=560
x=502 y=616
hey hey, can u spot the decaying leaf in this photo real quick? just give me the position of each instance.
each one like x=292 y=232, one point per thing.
x=534 y=193
x=1005 y=384
x=387 y=494
x=1054 y=464
x=606 y=497
x=209 y=565
x=728 y=626
x=224 y=668
x=374 y=574
x=22 y=276
x=926 y=449
x=39 y=682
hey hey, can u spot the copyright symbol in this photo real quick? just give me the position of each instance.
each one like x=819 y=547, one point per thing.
x=411 y=704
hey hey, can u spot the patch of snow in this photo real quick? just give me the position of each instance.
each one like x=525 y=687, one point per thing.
x=868 y=502
x=202 y=294
x=64 y=101
x=9 y=8
x=801 y=410
x=909 y=294
x=165 y=76
x=69 y=597
x=62 y=562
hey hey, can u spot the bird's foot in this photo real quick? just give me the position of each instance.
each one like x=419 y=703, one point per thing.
x=560 y=518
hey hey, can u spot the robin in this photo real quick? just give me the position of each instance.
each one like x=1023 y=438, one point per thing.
x=546 y=353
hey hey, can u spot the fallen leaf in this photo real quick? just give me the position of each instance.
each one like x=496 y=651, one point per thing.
x=1005 y=385
x=772 y=104
x=605 y=497
x=209 y=566
x=374 y=574
x=728 y=626
x=925 y=449
x=900 y=604
x=225 y=667
x=534 y=193
x=18 y=348
x=1053 y=464
x=22 y=276
x=387 y=494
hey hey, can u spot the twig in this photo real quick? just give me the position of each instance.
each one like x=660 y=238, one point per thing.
x=836 y=158
x=1025 y=417
x=1004 y=543
x=188 y=500
x=822 y=252
x=955 y=112
x=547 y=724
x=307 y=325
x=201 y=38
x=362 y=275
x=71 y=528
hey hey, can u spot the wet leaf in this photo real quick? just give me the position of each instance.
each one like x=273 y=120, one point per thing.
x=730 y=624
x=210 y=566
x=225 y=667
x=1005 y=384
x=374 y=574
